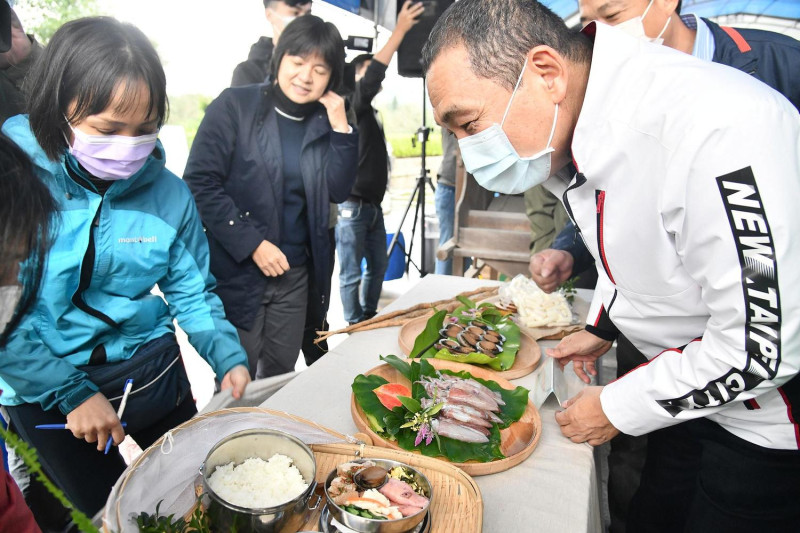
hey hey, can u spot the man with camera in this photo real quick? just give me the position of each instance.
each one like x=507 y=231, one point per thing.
x=279 y=13
x=360 y=232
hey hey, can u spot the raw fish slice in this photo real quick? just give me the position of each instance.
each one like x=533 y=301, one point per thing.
x=446 y=428
x=480 y=387
x=470 y=398
x=408 y=510
x=479 y=413
x=401 y=493
x=469 y=386
x=453 y=412
x=494 y=418
x=480 y=429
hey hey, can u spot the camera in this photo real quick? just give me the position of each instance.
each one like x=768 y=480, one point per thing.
x=362 y=44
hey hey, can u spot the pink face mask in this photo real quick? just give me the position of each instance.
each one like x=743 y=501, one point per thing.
x=112 y=157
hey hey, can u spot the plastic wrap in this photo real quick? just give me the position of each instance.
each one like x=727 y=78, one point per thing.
x=169 y=470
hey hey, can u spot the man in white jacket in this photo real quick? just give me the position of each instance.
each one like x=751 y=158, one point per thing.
x=683 y=177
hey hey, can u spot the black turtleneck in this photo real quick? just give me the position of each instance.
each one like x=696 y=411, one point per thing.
x=289 y=107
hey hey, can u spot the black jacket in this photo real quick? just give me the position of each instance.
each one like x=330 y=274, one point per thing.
x=235 y=174
x=771 y=57
x=256 y=68
x=373 y=161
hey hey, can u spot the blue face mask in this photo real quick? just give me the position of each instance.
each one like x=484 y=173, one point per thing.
x=496 y=165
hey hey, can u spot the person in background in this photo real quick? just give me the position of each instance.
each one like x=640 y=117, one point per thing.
x=125 y=224
x=15 y=62
x=279 y=13
x=546 y=215
x=445 y=197
x=360 y=232
x=266 y=163
x=26 y=209
x=691 y=223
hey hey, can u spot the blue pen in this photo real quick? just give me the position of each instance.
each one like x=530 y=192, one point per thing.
x=125 y=392
x=63 y=426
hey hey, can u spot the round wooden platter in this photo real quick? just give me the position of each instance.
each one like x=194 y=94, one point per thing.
x=517 y=441
x=525 y=362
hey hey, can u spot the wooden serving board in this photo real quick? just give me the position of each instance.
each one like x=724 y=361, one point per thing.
x=525 y=362
x=517 y=441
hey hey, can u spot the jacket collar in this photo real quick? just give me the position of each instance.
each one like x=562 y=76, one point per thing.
x=728 y=52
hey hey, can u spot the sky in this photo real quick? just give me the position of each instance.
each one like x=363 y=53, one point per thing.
x=201 y=41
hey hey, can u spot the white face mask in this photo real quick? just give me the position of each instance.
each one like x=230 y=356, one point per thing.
x=635 y=27
x=496 y=165
x=9 y=298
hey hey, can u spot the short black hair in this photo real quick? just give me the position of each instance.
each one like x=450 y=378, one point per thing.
x=26 y=218
x=359 y=60
x=85 y=62
x=678 y=7
x=291 y=3
x=498 y=34
x=311 y=35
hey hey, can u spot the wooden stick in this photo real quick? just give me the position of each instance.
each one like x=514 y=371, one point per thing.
x=411 y=312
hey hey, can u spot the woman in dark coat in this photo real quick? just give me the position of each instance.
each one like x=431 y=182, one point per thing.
x=265 y=164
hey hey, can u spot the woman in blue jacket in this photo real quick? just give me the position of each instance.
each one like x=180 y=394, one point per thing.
x=124 y=224
x=265 y=163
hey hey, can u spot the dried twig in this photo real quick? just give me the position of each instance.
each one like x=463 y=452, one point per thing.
x=399 y=318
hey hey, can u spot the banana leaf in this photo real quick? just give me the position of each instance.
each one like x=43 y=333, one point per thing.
x=387 y=423
x=486 y=312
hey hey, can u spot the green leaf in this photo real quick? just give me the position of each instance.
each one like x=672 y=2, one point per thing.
x=466 y=301
x=400 y=365
x=423 y=345
x=363 y=387
x=410 y=403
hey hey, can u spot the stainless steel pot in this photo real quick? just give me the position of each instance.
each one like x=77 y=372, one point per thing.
x=263 y=443
x=368 y=525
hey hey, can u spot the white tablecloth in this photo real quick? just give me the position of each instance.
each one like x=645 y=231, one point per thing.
x=554 y=490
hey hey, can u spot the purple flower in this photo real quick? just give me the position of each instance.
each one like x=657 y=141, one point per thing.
x=425 y=434
x=453 y=319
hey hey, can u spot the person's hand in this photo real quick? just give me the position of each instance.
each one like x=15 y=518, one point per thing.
x=408 y=16
x=583 y=419
x=270 y=259
x=583 y=349
x=337 y=116
x=550 y=268
x=237 y=378
x=93 y=420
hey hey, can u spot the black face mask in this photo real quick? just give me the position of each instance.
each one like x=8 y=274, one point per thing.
x=289 y=107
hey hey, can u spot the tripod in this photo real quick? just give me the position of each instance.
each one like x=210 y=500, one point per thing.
x=418 y=194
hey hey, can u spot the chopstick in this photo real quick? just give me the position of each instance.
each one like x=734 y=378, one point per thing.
x=125 y=392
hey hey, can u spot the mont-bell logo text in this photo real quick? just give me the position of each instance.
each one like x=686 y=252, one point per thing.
x=137 y=240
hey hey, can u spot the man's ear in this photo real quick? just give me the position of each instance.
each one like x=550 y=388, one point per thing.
x=667 y=6
x=550 y=68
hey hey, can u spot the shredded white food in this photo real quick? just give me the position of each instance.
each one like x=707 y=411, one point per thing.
x=256 y=483
x=535 y=307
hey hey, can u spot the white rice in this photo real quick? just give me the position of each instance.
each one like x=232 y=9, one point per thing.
x=256 y=483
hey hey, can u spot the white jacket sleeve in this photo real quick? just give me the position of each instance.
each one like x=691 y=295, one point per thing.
x=729 y=203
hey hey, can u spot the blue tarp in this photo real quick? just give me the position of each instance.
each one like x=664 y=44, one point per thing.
x=789 y=9
x=353 y=6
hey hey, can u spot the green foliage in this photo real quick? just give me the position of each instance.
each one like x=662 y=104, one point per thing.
x=188 y=110
x=43 y=17
x=568 y=289
x=31 y=460
x=389 y=424
x=403 y=147
x=156 y=523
